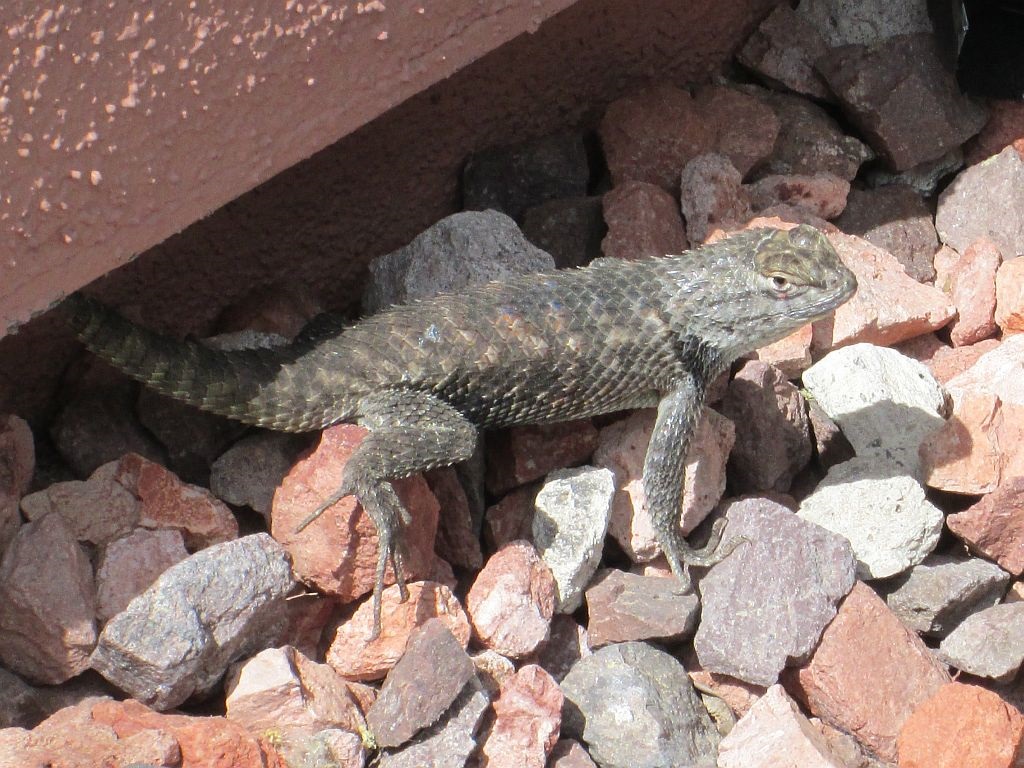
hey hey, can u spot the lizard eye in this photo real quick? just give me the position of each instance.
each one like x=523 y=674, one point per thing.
x=779 y=283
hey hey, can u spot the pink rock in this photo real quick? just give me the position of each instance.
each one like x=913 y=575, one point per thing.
x=1016 y=593
x=1005 y=126
x=651 y=134
x=782 y=51
x=822 y=195
x=519 y=455
x=17 y=463
x=308 y=616
x=643 y=220
x=338 y=552
x=974 y=293
x=945 y=262
x=47 y=603
x=511 y=518
x=568 y=753
x=527 y=717
x=738 y=695
x=744 y=126
x=1010 y=296
x=130 y=564
x=355 y=658
x=712 y=196
x=962 y=725
x=512 y=601
x=994 y=527
x=623 y=446
x=943 y=361
x=791 y=355
x=868 y=674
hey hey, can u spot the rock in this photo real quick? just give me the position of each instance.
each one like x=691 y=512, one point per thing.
x=279 y=309
x=512 y=600
x=885 y=403
x=337 y=553
x=896 y=219
x=962 y=725
x=712 y=196
x=984 y=201
x=248 y=473
x=988 y=643
x=459 y=251
x=895 y=527
x=492 y=669
x=1005 y=127
x=830 y=445
x=354 y=657
x=744 y=126
x=737 y=696
x=651 y=134
x=864 y=23
x=527 y=717
x=178 y=637
x=573 y=508
x=782 y=52
x=323 y=749
x=514 y=178
x=569 y=753
x=458 y=540
x=622 y=448
x=791 y=355
x=974 y=293
x=570 y=229
x=773 y=439
x=127 y=566
x=934 y=596
x=1010 y=296
x=17 y=465
x=822 y=195
x=943 y=361
x=924 y=178
x=21 y=706
x=511 y=518
x=522 y=454
x=47 y=603
x=421 y=686
x=868 y=674
x=643 y=221
x=876 y=85
x=567 y=643
x=775 y=734
x=626 y=606
x=630 y=694
x=994 y=527
x=750 y=625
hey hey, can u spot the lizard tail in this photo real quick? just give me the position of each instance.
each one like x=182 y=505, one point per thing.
x=254 y=386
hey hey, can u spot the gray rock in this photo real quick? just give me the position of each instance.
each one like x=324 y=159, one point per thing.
x=512 y=179
x=248 y=473
x=766 y=605
x=712 y=195
x=635 y=707
x=569 y=526
x=782 y=51
x=570 y=229
x=178 y=637
x=935 y=596
x=626 y=606
x=459 y=251
x=886 y=518
x=843 y=22
x=924 y=178
x=985 y=200
x=886 y=403
x=988 y=643
x=20 y=705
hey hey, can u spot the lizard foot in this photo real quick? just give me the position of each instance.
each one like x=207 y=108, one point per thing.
x=683 y=555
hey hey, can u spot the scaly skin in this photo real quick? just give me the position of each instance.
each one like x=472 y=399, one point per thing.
x=546 y=347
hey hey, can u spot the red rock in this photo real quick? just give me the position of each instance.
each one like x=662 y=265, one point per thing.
x=457 y=542
x=47 y=603
x=651 y=134
x=822 y=195
x=791 y=355
x=568 y=753
x=782 y=51
x=68 y=738
x=963 y=725
x=643 y=220
x=130 y=564
x=744 y=126
x=355 y=658
x=994 y=527
x=308 y=616
x=280 y=309
x=1005 y=126
x=738 y=695
x=1010 y=296
x=868 y=674
x=527 y=717
x=511 y=518
x=946 y=362
x=17 y=463
x=512 y=601
x=338 y=552
x=519 y=455
x=712 y=196
x=974 y=293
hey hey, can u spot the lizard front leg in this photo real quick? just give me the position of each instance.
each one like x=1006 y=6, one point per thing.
x=410 y=432
x=664 y=469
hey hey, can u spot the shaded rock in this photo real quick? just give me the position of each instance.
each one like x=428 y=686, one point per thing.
x=630 y=694
x=513 y=178
x=782 y=52
x=962 y=725
x=868 y=674
x=178 y=637
x=421 y=686
x=569 y=753
x=354 y=657
x=573 y=509
x=47 y=603
x=934 y=596
x=519 y=455
x=20 y=704
x=822 y=195
x=924 y=178
x=127 y=566
x=830 y=445
x=1010 y=296
x=843 y=23
x=459 y=251
x=457 y=539
x=744 y=127
x=280 y=309
x=902 y=98
x=988 y=643
x=527 y=717
x=567 y=643
x=712 y=196
x=248 y=473
x=570 y=229
x=994 y=527
x=766 y=605
x=17 y=464
x=511 y=518
x=1005 y=127
x=894 y=526
x=974 y=293
x=643 y=221
x=625 y=606
x=985 y=201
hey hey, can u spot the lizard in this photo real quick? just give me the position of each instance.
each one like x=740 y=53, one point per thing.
x=427 y=376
